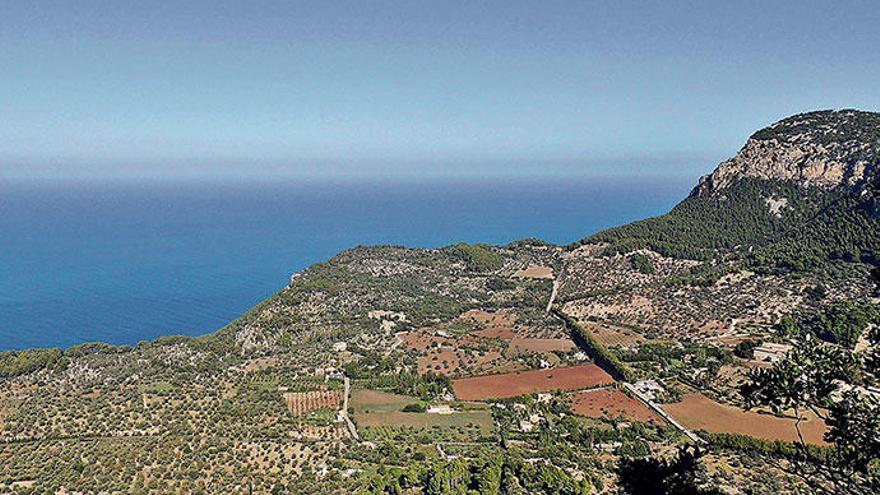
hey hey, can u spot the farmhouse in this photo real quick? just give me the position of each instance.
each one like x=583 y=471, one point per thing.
x=649 y=388
x=440 y=409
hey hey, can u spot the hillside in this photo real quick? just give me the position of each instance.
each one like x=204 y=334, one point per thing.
x=526 y=368
x=802 y=191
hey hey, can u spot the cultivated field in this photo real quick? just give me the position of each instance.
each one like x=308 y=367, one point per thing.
x=698 y=412
x=378 y=409
x=526 y=382
x=613 y=336
x=535 y=271
x=612 y=403
x=300 y=403
x=482 y=342
x=364 y=401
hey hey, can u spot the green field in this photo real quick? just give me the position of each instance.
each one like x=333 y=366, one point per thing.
x=379 y=414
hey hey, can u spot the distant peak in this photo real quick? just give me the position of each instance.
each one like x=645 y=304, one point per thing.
x=825 y=127
x=825 y=148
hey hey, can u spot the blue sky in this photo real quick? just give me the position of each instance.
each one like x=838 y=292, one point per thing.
x=270 y=89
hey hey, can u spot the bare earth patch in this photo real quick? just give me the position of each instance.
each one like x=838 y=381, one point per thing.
x=612 y=403
x=698 y=412
x=526 y=382
x=613 y=336
x=535 y=271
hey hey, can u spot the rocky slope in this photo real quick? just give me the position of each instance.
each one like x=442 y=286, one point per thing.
x=800 y=192
x=827 y=149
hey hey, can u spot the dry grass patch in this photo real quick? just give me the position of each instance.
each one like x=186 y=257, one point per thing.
x=698 y=412
x=535 y=271
x=521 y=345
x=613 y=336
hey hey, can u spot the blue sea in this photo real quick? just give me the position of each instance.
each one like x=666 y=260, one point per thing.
x=121 y=262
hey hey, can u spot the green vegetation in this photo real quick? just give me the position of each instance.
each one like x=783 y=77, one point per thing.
x=14 y=363
x=839 y=323
x=506 y=474
x=641 y=263
x=414 y=407
x=775 y=448
x=845 y=229
x=426 y=386
x=680 y=359
x=746 y=348
x=81 y=350
x=703 y=226
x=808 y=379
x=500 y=283
x=603 y=357
x=703 y=275
x=815 y=227
x=158 y=388
x=829 y=128
x=653 y=476
x=479 y=257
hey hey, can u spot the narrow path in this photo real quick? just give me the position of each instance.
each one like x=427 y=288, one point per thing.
x=343 y=413
x=659 y=410
x=443 y=454
x=552 y=295
x=398 y=341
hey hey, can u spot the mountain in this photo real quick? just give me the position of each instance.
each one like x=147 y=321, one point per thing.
x=827 y=149
x=800 y=192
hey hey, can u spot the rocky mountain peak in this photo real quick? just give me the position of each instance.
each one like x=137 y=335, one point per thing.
x=828 y=149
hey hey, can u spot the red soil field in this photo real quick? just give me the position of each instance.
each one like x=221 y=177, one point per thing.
x=612 y=403
x=527 y=382
x=300 y=403
x=505 y=333
x=698 y=412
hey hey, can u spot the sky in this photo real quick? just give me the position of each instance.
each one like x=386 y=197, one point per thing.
x=270 y=89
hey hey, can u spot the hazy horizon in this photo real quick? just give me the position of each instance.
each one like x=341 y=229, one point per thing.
x=106 y=90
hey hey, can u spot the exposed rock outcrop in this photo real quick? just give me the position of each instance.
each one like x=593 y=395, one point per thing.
x=825 y=149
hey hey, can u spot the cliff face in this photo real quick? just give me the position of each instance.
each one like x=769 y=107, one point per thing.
x=801 y=192
x=826 y=149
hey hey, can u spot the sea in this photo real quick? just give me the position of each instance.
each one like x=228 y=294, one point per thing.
x=126 y=261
